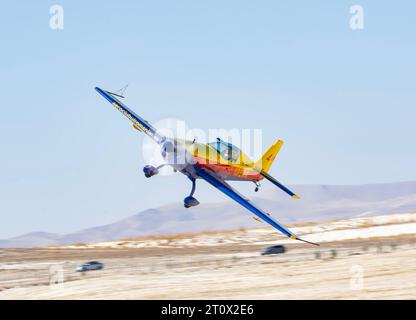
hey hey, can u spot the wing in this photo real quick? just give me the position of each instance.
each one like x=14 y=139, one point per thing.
x=138 y=122
x=229 y=191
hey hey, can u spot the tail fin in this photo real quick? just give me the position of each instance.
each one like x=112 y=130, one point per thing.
x=266 y=161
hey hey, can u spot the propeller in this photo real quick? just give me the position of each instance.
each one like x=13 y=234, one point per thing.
x=172 y=149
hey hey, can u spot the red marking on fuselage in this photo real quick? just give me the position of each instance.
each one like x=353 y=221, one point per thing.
x=228 y=170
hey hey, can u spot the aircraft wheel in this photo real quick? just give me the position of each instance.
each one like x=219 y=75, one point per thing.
x=190 y=202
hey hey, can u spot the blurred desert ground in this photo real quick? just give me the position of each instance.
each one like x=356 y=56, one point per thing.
x=359 y=258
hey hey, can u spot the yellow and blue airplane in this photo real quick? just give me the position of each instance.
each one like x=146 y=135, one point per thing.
x=214 y=162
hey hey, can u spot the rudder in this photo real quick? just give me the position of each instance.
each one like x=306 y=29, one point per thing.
x=265 y=162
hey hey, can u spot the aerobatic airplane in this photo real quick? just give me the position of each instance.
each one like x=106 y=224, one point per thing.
x=214 y=162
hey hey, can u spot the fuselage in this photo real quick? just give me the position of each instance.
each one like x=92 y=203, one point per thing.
x=226 y=160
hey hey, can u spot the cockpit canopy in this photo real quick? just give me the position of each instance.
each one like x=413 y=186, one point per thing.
x=227 y=150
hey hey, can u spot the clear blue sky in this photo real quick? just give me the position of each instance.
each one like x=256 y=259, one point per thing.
x=343 y=101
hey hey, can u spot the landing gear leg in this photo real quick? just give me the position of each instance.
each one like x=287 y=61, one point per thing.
x=257 y=186
x=190 y=201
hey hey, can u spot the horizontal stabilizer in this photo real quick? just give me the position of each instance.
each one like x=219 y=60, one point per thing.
x=279 y=185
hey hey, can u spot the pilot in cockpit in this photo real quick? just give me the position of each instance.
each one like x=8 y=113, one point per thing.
x=227 y=151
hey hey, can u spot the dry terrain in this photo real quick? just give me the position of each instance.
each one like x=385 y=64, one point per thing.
x=358 y=259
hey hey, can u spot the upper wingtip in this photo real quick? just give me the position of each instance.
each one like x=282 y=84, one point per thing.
x=296 y=196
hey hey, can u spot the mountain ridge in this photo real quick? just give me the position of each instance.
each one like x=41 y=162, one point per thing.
x=318 y=203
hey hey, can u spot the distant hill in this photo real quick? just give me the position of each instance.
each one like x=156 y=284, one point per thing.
x=319 y=202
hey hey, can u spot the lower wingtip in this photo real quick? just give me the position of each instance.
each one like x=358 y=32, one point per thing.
x=299 y=239
x=313 y=243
